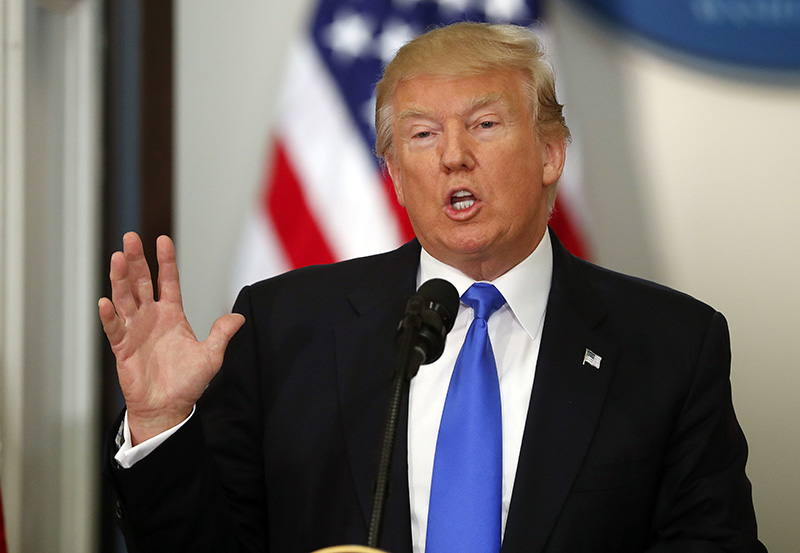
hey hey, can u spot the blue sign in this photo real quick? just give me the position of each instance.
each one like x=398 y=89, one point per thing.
x=754 y=32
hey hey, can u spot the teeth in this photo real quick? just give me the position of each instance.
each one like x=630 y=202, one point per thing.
x=463 y=204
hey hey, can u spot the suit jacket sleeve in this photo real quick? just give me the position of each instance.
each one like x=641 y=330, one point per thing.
x=705 y=499
x=175 y=499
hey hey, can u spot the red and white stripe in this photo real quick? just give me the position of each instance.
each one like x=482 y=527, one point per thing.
x=323 y=198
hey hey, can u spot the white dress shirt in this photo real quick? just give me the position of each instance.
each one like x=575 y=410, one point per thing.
x=515 y=331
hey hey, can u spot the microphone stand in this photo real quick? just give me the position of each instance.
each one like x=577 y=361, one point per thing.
x=411 y=357
x=430 y=314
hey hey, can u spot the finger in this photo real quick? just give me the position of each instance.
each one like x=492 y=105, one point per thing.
x=169 y=287
x=112 y=324
x=141 y=281
x=121 y=294
x=220 y=335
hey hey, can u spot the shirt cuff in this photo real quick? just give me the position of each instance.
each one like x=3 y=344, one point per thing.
x=128 y=455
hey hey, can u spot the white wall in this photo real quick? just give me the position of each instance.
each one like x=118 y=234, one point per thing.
x=691 y=176
x=229 y=63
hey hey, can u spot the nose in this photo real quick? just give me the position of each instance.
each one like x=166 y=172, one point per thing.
x=456 y=152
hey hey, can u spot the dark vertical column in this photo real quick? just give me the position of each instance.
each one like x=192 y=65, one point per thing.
x=156 y=122
x=138 y=161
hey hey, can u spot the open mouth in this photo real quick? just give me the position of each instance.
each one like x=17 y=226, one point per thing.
x=462 y=200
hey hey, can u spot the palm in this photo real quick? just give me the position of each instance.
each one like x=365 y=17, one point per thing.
x=159 y=358
x=162 y=367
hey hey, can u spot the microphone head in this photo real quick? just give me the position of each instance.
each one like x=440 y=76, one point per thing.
x=442 y=297
x=438 y=302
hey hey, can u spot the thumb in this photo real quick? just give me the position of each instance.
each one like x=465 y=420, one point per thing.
x=221 y=333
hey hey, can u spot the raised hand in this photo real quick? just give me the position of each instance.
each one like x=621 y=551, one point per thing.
x=163 y=369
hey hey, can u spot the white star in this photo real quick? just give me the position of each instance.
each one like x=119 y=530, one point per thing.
x=506 y=10
x=395 y=33
x=452 y=7
x=349 y=36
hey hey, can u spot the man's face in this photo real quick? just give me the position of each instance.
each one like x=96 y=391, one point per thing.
x=469 y=170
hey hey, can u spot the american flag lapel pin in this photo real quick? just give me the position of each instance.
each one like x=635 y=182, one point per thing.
x=592 y=358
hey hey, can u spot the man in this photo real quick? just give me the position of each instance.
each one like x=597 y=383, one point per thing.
x=618 y=432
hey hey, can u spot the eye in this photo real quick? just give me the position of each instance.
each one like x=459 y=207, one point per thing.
x=422 y=134
x=487 y=124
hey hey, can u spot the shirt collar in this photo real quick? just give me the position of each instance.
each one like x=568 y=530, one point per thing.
x=525 y=287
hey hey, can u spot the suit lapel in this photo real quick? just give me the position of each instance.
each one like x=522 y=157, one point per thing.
x=565 y=405
x=366 y=357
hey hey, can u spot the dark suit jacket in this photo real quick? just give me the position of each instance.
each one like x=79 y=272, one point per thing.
x=644 y=453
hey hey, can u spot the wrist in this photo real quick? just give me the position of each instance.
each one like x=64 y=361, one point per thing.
x=144 y=426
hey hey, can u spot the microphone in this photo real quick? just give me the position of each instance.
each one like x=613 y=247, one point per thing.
x=430 y=315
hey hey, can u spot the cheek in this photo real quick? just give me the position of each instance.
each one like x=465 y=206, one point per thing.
x=418 y=182
x=521 y=173
x=524 y=185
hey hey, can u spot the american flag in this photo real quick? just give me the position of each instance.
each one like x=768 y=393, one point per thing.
x=592 y=359
x=324 y=197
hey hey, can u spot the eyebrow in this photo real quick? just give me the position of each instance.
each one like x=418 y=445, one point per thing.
x=473 y=105
x=479 y=102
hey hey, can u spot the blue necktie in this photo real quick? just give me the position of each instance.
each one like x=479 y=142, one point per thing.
x=466 y=489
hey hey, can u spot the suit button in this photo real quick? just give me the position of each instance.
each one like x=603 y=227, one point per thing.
x=118 y=511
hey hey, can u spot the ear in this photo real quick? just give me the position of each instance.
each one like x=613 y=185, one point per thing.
x=394 y=173
x=553 y=157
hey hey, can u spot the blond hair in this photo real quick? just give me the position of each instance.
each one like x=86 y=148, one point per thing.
x=465 y=49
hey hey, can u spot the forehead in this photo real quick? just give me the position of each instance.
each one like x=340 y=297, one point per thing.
x=431 y=95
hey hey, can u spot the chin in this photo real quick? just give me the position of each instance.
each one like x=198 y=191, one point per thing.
x=467 y=246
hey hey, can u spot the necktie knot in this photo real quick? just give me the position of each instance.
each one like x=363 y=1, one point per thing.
x=484 y=299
